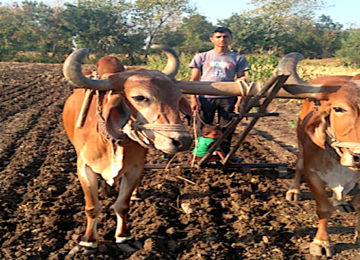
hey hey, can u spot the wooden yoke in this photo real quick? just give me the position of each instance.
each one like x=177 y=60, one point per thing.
x=294 y=87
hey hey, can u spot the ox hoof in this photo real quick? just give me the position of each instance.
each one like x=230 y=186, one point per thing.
x=357 y=241
x=345 y=208
x=135 y=197
x=321 y=248
x=87 y=251
x=129 y=246
x=357 y=238
x=293 y=195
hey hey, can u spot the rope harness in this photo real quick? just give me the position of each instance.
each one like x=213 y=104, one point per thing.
x=133 y=130
x=333 y=146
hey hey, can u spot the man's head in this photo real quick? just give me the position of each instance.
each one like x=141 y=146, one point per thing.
x=221 y=37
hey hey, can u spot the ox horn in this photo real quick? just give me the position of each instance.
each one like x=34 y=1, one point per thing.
x=173 y=62
x=73 y=73
x=296 y=86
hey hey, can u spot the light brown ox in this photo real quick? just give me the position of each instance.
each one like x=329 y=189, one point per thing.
x=329 y=152
x=136 y=110
x=329 y=136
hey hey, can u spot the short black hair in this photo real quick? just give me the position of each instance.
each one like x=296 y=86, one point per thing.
x=207 y=129
x=221 y=30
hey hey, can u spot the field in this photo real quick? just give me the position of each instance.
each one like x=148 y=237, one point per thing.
x=234 y=215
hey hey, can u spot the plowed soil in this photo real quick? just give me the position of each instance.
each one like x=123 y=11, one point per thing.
x=233 y=215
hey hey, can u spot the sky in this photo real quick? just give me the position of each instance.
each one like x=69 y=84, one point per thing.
x=345 y=12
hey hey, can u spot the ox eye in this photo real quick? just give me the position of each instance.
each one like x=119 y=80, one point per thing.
x=339 y=109
x=139 y=98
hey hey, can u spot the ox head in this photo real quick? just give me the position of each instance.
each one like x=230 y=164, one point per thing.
x=144 y=104
x=109 y=64
x=336 y=122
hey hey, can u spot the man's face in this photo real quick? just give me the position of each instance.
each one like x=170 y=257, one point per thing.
x=221 y=39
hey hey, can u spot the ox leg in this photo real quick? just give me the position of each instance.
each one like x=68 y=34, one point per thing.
x=122 y=205
x=89 y=183
x=294 y=194
x=321 y=243
x=135 y=194
x=340 y=203
x=357 y=227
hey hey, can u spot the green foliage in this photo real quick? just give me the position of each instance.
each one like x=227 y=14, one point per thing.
x=99 y=29
x=158 y=62
x=293 y=124
x=350 y=49
x=262 y=66
x=9 y=24
x=154 y=14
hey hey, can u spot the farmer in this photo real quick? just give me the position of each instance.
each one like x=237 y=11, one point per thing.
x=218 y=64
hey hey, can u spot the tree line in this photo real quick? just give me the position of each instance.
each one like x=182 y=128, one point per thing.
x=128 y=28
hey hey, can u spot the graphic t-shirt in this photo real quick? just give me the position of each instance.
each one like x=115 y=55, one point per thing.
x=219 y=67
x=203 y=144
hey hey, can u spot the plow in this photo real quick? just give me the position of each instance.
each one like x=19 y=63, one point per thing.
x=284 y=83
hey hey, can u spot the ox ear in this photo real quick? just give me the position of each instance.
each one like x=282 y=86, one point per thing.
x=185 y=107
x=316 y=127
x=116 y=114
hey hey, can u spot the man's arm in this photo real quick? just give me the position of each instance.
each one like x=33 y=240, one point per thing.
x=195 y=76
x=239 y=75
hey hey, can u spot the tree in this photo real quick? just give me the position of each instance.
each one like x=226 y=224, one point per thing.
x=197 y=31
x=33 y=27
x=252 y=33
x=43 y=23
x=99 y=28
x=286 y=10
x=152 y=15
x=350 y=48
x=9 y=24
x=273 y=24
x=170 y=36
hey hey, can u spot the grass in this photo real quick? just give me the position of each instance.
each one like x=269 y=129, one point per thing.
x=311 y=69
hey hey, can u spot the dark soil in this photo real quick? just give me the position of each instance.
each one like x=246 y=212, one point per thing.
x=235 y=215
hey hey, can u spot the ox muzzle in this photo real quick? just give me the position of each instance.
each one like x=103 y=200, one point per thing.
x=169 y=138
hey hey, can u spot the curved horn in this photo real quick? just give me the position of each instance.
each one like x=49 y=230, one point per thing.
x=173 y=62
x=294 y=84
x=73 y=73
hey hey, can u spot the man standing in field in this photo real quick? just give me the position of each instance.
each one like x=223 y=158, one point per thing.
x=218 y=64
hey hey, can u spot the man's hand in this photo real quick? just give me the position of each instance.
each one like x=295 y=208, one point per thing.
x=194 y=104
x=237 y=105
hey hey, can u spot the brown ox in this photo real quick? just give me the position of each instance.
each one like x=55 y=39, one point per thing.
x=329 y=152
x=132 y=111
x=106 y=64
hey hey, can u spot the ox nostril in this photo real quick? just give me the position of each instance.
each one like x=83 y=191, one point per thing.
x=356 y=158
x=176 y=143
